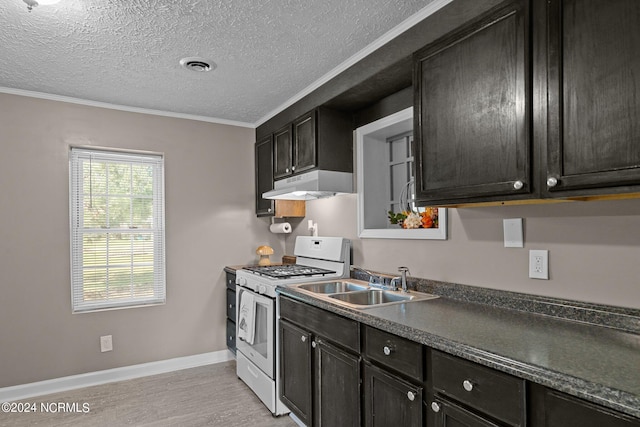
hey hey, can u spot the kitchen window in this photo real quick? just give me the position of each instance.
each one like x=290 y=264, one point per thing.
x=386 y=189
x=117 y=229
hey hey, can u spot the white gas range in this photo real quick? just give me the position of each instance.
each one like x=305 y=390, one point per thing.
x=317 y=258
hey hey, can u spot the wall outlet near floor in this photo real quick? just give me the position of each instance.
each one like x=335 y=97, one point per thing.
x=539 y=264
x=106 y=343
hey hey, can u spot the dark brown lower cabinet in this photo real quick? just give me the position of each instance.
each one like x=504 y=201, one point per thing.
x=337 y=388
x=390 y=401
x=329 y=379
x=554 y=409
x=320 y=383
x=296 y=370
x=448 y=414
x=231 y=311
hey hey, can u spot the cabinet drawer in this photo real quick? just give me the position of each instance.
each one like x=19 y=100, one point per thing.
x=231 y=281
x=394 y=352
x=231 y=305
x=231 y=335
x=495 y=393
x=335 y=328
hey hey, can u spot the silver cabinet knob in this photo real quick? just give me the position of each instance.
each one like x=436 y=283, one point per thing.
x=435 y=406
x=552 y=181
x=230 y=305
x=518 y=185
x=268 y=209
x=313 y=344
x=293 y=168
x=287 y=170
x=467 y=385
x=303 y=338
x=387 y=350
x=411 y=396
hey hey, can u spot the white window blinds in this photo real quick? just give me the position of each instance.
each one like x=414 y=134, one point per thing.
x=117 y=229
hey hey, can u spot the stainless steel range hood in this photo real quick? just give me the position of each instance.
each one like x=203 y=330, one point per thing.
x=315 y=184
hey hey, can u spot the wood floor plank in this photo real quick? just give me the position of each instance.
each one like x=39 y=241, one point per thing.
x=209 y=395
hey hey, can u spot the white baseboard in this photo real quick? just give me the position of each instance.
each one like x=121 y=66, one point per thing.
x=24 y=391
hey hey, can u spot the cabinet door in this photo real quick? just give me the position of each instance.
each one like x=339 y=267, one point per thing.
x=264 y=176
x=231 y=335
x=337 y=388
x=231 y=304
x=282 y=153
x=304 y=142
x=296 y=370
x=451 y=415
x=566 y=411
x=390 y=401
x=594 y=98
x=472 y=107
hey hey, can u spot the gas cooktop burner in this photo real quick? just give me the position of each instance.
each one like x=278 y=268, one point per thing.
x=288 y=271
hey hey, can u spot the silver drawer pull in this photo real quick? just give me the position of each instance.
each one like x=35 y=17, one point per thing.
x=388 y=349
x=411 y=396
x=552 y=181
x=467 y=385
x=303 y=338
x=313 y=344
x=518 y=185
x=435 y=406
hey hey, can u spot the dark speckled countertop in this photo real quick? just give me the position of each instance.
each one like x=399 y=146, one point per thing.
x=596 y=363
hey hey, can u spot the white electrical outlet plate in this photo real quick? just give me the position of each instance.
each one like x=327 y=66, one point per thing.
x=106 y=343
x=539 y=264
x=513 y=233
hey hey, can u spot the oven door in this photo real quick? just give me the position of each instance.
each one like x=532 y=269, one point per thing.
x=261 y=351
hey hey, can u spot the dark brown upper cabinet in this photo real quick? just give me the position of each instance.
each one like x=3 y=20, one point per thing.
x=264 y=176
x=472 y=111
x=295 y=147
x=593 y=74
x=533 y=100
x=264 y=183
x=321 y=138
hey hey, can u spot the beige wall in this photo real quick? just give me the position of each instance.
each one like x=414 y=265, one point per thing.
x=210 y=223
x=594 y=248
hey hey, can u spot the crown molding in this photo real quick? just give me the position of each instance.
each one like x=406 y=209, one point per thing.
x=60 y=98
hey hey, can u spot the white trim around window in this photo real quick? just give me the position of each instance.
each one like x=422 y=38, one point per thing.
x=117 y=229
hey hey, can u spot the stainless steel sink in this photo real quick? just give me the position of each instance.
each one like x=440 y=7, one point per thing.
x=332 y=287
x=372 y=297
x=358 y=294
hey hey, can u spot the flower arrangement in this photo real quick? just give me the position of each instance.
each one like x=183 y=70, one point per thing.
x=410 y=219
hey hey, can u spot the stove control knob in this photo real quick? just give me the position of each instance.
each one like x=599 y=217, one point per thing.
x=262 y=289
x=242 y=281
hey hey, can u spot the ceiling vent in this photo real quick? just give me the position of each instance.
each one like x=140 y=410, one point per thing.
x=199 y=65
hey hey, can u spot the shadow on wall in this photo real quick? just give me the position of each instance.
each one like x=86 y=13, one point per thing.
x=613 y=222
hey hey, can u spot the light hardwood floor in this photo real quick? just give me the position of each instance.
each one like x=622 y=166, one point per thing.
x=204 y=396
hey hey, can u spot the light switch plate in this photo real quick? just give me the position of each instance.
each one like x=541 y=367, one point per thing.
x=106 y=343
x=513 y=233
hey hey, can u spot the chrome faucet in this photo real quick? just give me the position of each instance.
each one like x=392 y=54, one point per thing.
x=403 y=278
x=371 y=275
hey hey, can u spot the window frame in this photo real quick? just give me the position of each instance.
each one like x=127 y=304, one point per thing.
x=368 y=139
x=78 y=156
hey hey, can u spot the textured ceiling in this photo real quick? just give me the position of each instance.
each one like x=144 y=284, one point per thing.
x=127 y=52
